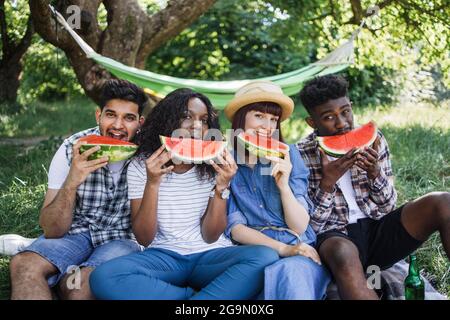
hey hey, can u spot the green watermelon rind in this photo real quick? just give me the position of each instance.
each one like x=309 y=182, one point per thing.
x=260 y=151
x=338 y=153
x=114 y=153
x=196 y=160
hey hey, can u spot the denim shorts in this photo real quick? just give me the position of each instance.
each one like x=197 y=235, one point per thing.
x=76 y=250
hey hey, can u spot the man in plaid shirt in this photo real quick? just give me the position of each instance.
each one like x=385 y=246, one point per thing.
x=354 y=196
x=86 y=212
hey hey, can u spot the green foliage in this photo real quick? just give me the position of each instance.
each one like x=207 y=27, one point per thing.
x=16 y=20
x=280 y=36
x=220 y=46
x=48 y=76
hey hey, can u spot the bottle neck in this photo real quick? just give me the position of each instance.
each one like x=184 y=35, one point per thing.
x=413 y=265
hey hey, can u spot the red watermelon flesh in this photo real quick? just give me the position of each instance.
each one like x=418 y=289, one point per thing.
x=99 y=140
x=189 y=150
x=358 y=138
x=114 y=149
x=262 y=146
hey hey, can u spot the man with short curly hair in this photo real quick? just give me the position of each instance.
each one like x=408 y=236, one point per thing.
x=356 y=218
x=86 y=212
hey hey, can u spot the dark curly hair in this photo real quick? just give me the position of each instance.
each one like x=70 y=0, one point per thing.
x=166 y=117
x=123 y=90
x=321 y=89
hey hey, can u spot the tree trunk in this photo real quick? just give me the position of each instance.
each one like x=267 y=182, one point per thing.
x=10 y=72
x=11 y=58
x=130 y=36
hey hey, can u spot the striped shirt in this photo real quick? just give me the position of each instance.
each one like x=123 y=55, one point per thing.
x=375 y=198
x=182 y=201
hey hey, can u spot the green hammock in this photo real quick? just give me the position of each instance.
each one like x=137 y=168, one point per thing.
x=219 y=92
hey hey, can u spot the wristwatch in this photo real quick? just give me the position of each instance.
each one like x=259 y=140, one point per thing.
x=224 y=194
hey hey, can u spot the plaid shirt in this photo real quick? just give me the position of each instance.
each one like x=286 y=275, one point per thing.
x=100 y=207
x=375 y=198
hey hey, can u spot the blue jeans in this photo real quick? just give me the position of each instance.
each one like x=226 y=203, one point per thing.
x=296 y=278
x=77 y=250
x=235 y=272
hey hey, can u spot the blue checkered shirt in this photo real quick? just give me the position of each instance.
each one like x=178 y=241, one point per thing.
x=101 y=207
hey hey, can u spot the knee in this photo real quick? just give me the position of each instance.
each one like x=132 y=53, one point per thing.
x=102 y=280
x=30 y=263
x=75 y=285
x=339 y=254
x=264 y=255
x=99 y=279
x=440 y=202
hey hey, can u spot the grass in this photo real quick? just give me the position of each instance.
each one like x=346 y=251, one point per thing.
x=48 y=119
x=418 y=135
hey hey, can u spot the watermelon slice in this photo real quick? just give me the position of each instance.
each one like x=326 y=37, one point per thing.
x=261 y=146
x=189 y=150
x=359 y=138
x=115 y=149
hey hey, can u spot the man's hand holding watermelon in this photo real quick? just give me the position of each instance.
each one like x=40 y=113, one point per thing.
x=367 y=159
x=332 y=171
x=81 y=167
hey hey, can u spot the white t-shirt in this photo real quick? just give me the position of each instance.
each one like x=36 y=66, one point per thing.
x=345 y=184
x=59 y=169
x=182 y=201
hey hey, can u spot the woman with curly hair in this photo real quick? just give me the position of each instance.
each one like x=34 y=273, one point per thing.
x=178 y=212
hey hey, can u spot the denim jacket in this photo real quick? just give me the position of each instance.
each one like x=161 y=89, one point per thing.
x=255 y=199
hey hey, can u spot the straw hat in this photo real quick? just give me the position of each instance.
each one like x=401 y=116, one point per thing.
x=259 y=91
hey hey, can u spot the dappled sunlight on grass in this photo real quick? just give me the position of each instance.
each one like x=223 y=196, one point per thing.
x=49 y=119
x=404 y=116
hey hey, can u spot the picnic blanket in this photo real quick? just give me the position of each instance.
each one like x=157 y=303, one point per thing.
x=392 y=287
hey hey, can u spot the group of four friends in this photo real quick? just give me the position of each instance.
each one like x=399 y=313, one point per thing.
x=239 y=227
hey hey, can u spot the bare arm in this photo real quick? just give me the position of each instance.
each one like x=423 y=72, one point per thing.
x=295 y=215
x=246 y=235
x=144 y=211
x=214 y=221
x=56 y=213
x=57 y=210
x=143 y=215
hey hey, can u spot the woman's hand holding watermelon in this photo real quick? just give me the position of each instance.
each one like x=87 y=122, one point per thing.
x=332 y=171
x=155 y=165
x=226 y=169
x=282 y=169
x=81 y=167
x=367 y=160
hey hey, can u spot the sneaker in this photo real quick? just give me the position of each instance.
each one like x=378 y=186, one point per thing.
x=11 y=244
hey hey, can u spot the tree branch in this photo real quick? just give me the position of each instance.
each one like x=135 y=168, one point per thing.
x=45 y=25
x=168 y=23
x=126 y=20
x=21 y=47
x=357 y=10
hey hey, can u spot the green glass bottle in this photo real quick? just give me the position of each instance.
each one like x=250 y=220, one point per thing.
x=414 y=285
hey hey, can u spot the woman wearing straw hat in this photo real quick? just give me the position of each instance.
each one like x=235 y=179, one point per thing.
x=269 y=204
